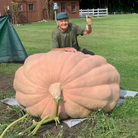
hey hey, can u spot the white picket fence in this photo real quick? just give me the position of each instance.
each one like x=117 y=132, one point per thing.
x=93 y=12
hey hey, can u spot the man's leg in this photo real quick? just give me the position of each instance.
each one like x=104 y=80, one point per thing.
x=87 y=52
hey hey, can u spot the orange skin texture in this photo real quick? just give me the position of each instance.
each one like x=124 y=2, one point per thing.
x=88 y=83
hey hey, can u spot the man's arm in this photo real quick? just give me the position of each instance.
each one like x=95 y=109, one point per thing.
x=54 y=41
x=88 y=29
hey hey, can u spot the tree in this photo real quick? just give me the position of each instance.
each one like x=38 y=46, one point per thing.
x=14 y=9
x=14 y=12
x=5 y=10
x=49 y=9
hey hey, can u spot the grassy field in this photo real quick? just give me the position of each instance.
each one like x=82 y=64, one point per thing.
x=114 y=37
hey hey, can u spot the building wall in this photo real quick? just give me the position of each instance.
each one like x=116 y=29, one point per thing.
x=39 y=12
x=2 y=4
x=27 y=15
x=68 y=7
x=42 y=8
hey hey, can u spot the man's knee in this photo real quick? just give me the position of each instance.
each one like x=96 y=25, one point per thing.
x=87 y=52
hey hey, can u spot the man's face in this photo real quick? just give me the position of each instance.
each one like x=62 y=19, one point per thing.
x=63 y=24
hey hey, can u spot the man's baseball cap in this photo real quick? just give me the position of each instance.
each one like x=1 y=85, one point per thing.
x=62 y=15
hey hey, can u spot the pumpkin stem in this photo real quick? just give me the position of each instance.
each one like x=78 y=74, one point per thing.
x=55 y=90
x=29 y=128
x=36 y=125
x=57 y=105
x=13 y=123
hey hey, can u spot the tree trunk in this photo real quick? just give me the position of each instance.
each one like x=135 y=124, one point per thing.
x=106 y=3
x=51 y=4
x=99 y=3
x=47 y=9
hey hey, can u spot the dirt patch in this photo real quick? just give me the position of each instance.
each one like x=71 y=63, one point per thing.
x=6 y=84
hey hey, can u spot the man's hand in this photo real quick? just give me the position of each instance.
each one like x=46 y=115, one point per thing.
x=66 y=49
x=89 y=22
x=71 y=49
x=88 y=26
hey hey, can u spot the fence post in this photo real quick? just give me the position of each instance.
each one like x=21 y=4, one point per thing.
x=107 y=12
x=98 y=11
x=81 y=13
x=93 y=11
x=88 y=12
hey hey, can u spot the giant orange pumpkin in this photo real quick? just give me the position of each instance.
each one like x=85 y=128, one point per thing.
x=87 y=83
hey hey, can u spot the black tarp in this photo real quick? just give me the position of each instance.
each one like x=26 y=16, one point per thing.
x=11 y=48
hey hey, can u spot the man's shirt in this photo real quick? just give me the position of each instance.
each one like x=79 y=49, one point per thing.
x=67 y=39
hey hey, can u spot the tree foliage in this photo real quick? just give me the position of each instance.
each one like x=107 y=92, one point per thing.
x=125 y=6
x=13 y=11
x=14 y=8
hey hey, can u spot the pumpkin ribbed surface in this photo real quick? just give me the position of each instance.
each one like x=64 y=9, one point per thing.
x=88 y=83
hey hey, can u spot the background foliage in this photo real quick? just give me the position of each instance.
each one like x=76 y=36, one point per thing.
x=125 y=6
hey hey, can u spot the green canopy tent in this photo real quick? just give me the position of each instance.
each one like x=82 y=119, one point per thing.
x=11 y=48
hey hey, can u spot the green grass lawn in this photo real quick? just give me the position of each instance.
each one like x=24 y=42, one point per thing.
x=114 y=37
